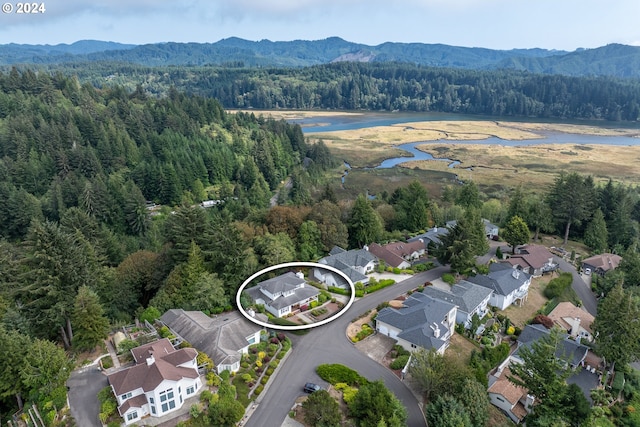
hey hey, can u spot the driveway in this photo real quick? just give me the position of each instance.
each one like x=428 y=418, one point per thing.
x=583 y=290
x=84 y=385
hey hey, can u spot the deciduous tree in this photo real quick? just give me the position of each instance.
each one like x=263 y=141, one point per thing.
x=515 y=232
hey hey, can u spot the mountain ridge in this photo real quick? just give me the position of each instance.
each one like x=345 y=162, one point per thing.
x=615 y=60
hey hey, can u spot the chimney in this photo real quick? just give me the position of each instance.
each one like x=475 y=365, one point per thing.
x=436 y=330
x=251 y=313
x=150 y=360
x=528 y=403
x=515 y=273
x=300 y=275
x=575 y=326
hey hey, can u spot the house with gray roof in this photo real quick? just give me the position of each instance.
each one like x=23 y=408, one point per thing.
x=224 y=337
x=284 y=294
x=509 y=285
x=469 y=299
x=422 y=321
x=159 y=382
x=355 y=264
x=569 y=349
x=490 y=230
x=432 y=237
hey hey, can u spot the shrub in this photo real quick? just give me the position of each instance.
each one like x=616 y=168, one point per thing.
x=107 y=362
x=264 y=380
x=449 y=278
x=400 y=350
x=336 y=373
x=396 y=270
x=511 y=330
x=348 y=392
x=557 y=286
x=258 y=390
x=400 y=362
x=541 y=319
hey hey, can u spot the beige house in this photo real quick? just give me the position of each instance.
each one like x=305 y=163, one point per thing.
x=574 y=320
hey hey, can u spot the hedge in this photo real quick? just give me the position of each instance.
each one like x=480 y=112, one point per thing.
x=400 y=362
x=336 y=373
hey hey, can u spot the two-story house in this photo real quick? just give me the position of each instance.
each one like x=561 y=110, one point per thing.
x=159 y=382
x=469 y=299
x=509 y=285
x=422 y=321
x=283 y=294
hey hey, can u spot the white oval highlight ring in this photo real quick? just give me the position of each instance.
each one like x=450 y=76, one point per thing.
x=296 y=327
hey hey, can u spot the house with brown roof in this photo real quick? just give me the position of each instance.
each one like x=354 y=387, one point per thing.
x=576 y=321
x=510 y=398
x=533 y=259
x=159 y=382
x=600 y=264
x=398 y=254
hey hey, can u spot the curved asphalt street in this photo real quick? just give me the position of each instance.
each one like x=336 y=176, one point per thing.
x=329 y=344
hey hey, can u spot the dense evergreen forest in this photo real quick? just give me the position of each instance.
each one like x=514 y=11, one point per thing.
x=385 y=86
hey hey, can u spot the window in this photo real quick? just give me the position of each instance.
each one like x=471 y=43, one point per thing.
x=153 y=409
x=252 y=340
x=151 y=400
x=125 y=396
x=190 y=390
x=167 y=397
x=132 y=416
x=500 y=399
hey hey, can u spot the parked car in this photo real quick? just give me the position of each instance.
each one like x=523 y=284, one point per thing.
x=311 y=387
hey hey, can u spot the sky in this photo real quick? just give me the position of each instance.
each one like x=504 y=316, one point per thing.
x=494 y=24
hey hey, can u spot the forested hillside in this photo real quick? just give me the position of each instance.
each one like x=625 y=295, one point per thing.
x=612 y=60
x=386 y=86
x=80 y=249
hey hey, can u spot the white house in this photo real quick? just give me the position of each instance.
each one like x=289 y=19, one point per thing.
x=159 y=382
x=421 y=322
x=509 y=285
x=224 y=337
x=513 y=400
x=469 y=299
x=283 y=294
x=355 y=264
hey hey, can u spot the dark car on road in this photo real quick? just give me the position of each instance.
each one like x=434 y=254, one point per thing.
x=311 y=387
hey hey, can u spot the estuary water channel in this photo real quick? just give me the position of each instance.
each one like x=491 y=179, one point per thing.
x=318 y=124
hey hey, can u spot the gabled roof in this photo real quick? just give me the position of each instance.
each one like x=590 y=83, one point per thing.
x=352 y=258
x=466 y=295
x=164 y=366
x=352 y=273
x=283 y=283
x=221 y=337
x=566 y=310
x=536 y=256
x=505 y=388
x=390 y=258
x=568 y=349
x=432 y=235
x=135 y=402
x=417 y=320
x=502 y=279
x=605 y=262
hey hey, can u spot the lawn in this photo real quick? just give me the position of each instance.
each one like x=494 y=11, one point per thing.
x=461 y=348
x=536 y=299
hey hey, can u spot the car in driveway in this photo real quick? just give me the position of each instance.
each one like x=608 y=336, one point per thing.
x=311 y=387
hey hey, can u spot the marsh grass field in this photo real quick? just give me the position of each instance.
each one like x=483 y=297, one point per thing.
x=492 y=166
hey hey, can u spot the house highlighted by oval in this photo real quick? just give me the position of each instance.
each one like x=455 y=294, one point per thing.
x=289 y=296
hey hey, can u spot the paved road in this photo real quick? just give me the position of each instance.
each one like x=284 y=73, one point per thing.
x=84 y=385
x=583 y=290
x=329 y=344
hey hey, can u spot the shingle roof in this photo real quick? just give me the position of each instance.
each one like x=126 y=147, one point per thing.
x=466 y=295
x=165 y=366
x=501 y=280
x=353 y=274
x=605 y=262
x=568 y=349
x=507 y=389
x=221 y=337
x=565 y=310
x=536 y=256
x=432 y=235
x=416 y=319
x=390 y=258
x=352 y=258
x=283 y=283
x=135 y=402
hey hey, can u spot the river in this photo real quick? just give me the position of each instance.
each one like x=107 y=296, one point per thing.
x=371 y=119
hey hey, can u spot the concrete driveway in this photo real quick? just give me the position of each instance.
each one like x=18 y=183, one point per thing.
x=84 y=385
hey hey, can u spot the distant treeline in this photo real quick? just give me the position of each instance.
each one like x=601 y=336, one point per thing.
x=386 y=86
